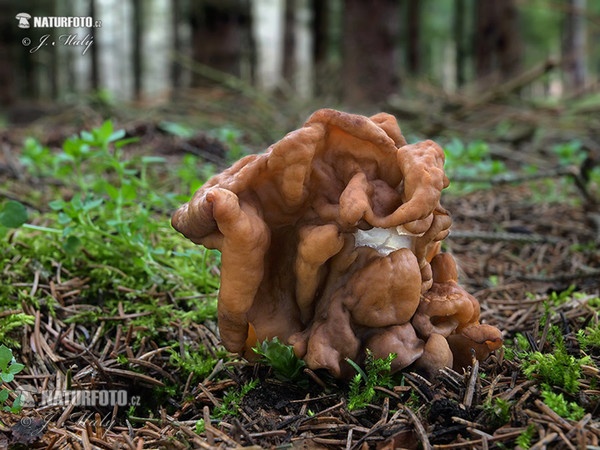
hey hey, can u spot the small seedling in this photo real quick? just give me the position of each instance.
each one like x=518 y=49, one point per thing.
x=286 y=365
x=362 y=387
x=8 y=369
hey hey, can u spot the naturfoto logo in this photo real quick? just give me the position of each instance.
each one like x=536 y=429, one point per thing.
x=57 y=21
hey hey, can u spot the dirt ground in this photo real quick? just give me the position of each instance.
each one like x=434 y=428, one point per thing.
x=513 y=249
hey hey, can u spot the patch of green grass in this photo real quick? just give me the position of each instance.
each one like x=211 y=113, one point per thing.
x=196 y=362
x=589 y=338
x=569 y=153
x=562 y=407
x=233 y=399
x=557 y=368
x=563 y=189
x=13 y=322
x=497 y=411
x=470 y=161
x=108 y=221
x=525 y=438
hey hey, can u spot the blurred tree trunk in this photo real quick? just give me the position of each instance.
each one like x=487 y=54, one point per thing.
x=176 y=69
x=574 y=43
x=220 y=35
x=498 y=44
x=289 y=41
x=94 y=56
x=459 y=26
x=8 y=41
x=369 y=66
x=413 y=14
x=137 y=31
x=322 y=37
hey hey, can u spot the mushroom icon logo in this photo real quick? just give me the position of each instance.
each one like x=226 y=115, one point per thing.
x=23 y=19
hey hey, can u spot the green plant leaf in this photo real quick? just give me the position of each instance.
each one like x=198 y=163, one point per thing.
x=16 y=368
x=7 y=377
x=5 y=357
x=13 y=214
x=177 y=129
x=286 y=365
x=57 y=205
x=153 y=160
x=72 y=244
x=116 y=135
x=17 y=405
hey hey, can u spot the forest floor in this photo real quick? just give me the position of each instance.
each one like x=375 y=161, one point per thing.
x=528 y=247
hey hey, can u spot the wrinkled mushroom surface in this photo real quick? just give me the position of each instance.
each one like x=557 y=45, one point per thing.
x=330 y=240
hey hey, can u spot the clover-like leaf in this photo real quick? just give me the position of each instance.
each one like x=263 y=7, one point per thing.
x=13 y=214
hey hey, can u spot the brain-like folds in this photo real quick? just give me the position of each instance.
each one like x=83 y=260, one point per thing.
x=330 y=240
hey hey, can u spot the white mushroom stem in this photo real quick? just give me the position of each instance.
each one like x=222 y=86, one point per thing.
x=385 y=240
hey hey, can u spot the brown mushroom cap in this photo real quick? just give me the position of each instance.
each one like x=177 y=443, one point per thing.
x=328 y=241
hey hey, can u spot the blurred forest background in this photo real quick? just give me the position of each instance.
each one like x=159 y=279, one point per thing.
x=98 y=147
x=364 y=55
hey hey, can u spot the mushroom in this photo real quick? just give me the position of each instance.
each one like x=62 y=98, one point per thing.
x=330 y=240
x=448 y=310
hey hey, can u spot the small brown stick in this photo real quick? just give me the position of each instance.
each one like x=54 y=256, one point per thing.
x=349 y=439
x=492 y=387
x=269 y=433
x=154 y=367
x=325 y=411
x=550 y=413
x=384 y=412
x=470 y=391
x=135 y=375
x=389 y=392
x=209 y=436
x=36 y=281
x=211 y=397
x=186 y=388
x=541 y=444
x=196 y=439
x=304 y=405
x=219 y=434
x=484 y=437
x=125 y=316
x=117 y=344
x=419 y=429
x=510 y=394
x=544 y=333
x=10 y=312
x=562 y=435
x=315 y=378
x=239 y=428
x=85 y=440
x=468 y=423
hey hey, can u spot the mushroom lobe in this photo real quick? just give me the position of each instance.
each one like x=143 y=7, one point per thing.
x=330 y=240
